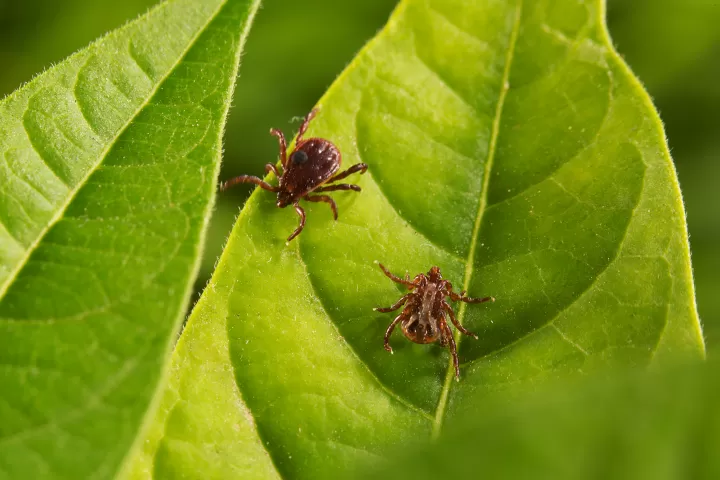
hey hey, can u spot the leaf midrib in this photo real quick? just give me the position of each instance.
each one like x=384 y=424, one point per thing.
x=103 y=155
x=482 y=207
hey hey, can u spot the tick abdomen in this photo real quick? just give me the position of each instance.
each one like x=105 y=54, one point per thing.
x=421 y=324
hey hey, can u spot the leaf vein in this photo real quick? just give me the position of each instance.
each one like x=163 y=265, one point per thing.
x=398 y=210
x=75 y=189
x=482 y=207
x=583 y=150
x=616 y=256
x=24 y=180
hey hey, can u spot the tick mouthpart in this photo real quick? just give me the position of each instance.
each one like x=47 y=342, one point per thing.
x=283 y=199
x=435 y=274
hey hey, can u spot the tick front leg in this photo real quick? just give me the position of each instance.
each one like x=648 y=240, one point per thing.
x=300 y=227
x=395 y=278
x=340 y=186
x=283 y=145
x=395 y=306
x=389 y=331
x=358 y=167
x=272 y=168
x=462 y=298
x=326 y=199
x=247 y=179
x=304 y=126
x=451 y=314
x=450 y=340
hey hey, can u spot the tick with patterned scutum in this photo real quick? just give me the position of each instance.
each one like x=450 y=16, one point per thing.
x=310 y=168
x=423 y=320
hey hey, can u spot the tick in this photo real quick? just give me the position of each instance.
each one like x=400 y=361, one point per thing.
x=423 y=320
x=310 y=168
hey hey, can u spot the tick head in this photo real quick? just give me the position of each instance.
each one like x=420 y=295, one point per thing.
x=434 y=274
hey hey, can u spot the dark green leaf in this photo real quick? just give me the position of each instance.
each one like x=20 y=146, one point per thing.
x=108 y=173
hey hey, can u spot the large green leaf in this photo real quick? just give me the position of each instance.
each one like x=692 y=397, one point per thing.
x=108 y=172
x=675 y=53
x=509 y=145
x=630 y=426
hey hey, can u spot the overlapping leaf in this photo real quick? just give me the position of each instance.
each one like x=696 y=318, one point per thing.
x=509 y=145
x=628 y=426
x=108 y=166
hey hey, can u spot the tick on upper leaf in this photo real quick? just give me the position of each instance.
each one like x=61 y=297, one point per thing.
x=310 y=168
x=423 y=320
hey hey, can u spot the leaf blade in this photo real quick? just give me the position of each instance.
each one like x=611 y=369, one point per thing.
x=57 y=100
x=566 y=197
x=87 y=319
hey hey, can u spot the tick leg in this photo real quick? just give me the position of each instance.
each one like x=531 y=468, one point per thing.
x=247 y=179
x=358 y=167
x=283 y=145
x=272 y=168
x=395 y=306
x=449 y=340
x=454 y=321
x=340 y=186
x=297 y=231
x=395 y=278
x=462 y=298
x=326 y=199
x=389 y=331
x=304 y=126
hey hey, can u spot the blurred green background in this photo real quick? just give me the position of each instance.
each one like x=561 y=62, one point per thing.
x=297 y=48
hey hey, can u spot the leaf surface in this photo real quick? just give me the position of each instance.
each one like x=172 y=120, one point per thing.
x=507 y=144
x=108 y=166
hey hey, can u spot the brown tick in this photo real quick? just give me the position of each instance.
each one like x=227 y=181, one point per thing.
x=312 y=164
x=423 y=318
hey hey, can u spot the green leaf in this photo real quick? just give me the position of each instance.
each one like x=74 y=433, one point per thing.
x=631 y=426
x=509 y=145
x=108 y=173
x=674 y=51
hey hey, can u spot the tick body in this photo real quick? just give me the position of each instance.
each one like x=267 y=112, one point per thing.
x=310 y=168
x=426 y=310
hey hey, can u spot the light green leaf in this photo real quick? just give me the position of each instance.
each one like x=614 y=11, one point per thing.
x=628 y=426
x=509 y=145
x=108 y=171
